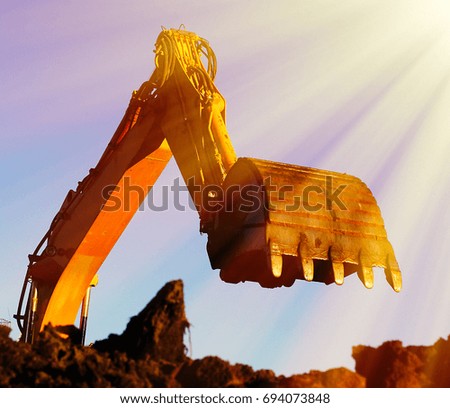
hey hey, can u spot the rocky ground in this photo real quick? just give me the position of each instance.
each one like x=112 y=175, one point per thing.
x=151 y=353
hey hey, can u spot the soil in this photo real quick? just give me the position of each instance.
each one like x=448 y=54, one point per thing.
x=151 y=353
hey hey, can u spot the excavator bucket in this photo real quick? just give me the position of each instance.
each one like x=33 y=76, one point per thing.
x=278 y=223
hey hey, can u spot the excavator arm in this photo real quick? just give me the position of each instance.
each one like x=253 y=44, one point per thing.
x=90 y=222
x=259 y=226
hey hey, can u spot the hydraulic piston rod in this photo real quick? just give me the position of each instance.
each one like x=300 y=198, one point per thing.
x=85 y=310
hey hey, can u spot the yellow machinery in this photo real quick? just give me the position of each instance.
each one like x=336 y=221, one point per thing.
x=267 y=222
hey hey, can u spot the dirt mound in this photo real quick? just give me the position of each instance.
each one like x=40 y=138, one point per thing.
x=151 y=353
x=157 y=331
x=393 y=365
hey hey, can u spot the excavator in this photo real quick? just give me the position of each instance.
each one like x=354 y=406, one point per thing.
x=266 y=222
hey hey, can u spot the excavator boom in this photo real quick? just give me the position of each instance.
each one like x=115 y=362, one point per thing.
x=89 y=222
x=267 y=222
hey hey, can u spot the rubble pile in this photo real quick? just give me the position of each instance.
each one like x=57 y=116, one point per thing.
x=151 y=353
x=394 y=365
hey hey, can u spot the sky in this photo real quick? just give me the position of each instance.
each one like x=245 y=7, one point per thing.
x=356 y=86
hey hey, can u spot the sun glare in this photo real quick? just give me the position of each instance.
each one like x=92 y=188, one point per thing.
x=434 y=16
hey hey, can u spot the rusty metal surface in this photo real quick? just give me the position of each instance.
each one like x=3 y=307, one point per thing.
x=282 y=222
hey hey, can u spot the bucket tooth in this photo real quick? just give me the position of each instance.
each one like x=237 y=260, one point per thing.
x=365 y=271
x=308 y=269
x=365 y=274
x=277 y=264
x=306 y=261
x=393 y=275
x=338 y=272
x=336 y=256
